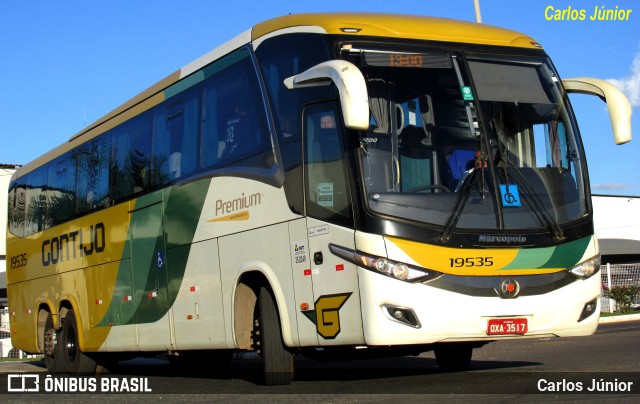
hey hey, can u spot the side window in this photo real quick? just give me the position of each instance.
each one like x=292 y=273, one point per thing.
x=212 y=141
x=92 y=184
x=280 y=57
x=36 y=202
x=234 y=122
x=327 y=189
x=17 y=206
x=284 y=56
x=176 y=127
x=130 y=149
x=62 y=189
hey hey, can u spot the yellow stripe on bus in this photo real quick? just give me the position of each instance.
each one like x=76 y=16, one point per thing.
x=463 y=261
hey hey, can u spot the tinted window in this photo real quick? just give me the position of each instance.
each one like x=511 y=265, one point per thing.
x=234 y=122
x=92 y=186
x=285 y=56
x=327 y=190
x=62 y=189
x=176 y=138
x=130 y=151
x=36 y=202
x=281 y=57
x=17 y=204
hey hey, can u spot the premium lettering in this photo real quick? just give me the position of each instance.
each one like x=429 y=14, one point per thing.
x=234 y=205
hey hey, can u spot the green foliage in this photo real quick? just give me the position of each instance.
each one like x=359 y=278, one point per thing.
x=624 y=296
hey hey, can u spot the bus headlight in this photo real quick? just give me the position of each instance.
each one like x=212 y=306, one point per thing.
x=400 y=271
x=393 y=269
x=587 y=268
x=380 y=264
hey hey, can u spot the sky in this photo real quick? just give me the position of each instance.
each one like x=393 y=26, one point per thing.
x=66 y=63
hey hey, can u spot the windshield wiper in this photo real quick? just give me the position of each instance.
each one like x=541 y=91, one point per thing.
x=463 y=195
x=538 y=206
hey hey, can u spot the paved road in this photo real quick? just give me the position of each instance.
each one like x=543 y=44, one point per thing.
x=512 y=369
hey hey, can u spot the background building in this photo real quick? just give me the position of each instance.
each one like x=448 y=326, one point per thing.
x=6 y=171
x=617 y=225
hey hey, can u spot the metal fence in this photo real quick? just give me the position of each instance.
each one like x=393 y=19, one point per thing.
x=618 y=275
x=6 y=349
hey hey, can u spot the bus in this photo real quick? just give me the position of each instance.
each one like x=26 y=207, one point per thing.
x=320 y=185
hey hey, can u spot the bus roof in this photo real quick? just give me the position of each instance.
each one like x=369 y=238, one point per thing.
x=400 y=26
x=365 y=24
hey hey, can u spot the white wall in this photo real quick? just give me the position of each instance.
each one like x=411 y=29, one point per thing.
x=617 y=224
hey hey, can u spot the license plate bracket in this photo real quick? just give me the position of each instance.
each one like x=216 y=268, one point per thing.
x=507 y=326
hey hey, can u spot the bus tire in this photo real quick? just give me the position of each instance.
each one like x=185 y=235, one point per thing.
x=453 y=357
x=52 y=346
x=277 y=362
x=74 y=361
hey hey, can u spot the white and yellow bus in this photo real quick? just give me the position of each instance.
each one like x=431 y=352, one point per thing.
x=381 y=183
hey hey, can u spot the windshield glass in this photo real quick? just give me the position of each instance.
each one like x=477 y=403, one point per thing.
x=478 y=144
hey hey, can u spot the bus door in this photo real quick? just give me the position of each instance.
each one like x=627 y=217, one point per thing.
x=335 y=311
x=149 y=273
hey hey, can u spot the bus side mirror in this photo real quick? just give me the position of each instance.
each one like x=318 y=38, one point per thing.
x=351 y=87
x=617 y=103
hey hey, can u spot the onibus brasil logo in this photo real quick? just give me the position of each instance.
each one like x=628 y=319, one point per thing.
x=33 y=383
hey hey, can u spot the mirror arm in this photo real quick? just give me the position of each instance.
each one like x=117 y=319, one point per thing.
x=351 y=87
x=617 y=103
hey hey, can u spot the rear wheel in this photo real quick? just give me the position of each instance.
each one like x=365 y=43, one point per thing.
x=277 y=362
x=52 y=346
x=453 y=357
x=73 y=359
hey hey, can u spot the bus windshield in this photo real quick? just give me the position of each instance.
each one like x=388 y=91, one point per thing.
x=469 y=141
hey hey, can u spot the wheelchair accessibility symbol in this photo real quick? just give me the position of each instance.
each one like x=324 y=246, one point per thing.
x=510 y=195
x=160 y=260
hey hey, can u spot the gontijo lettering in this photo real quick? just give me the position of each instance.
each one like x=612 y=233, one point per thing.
x=72 y=245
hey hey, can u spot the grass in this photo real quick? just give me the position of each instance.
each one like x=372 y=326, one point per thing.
x=21 y=359
x=637 y=311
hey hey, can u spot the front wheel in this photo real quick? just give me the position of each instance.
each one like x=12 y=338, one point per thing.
x=277 y=362
x=73 y=360
x=453 y=357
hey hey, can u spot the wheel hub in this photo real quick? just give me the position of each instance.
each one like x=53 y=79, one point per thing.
x=50 y=342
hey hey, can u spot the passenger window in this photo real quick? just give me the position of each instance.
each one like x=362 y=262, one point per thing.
x=36 y=202
x=62 y=190
x=327 y=189
x=17 y=206
x=92 y=184
x=130 y=159
x=234 y=123
x=176 y=138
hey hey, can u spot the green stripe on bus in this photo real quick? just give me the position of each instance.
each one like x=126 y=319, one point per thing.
x=568 y=254
x=148 y=283
x=561 y=256
x=532 y=258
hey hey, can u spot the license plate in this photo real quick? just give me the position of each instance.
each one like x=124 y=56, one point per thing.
x=507 y=326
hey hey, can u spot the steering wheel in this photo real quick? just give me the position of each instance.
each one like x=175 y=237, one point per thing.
x=428 y=187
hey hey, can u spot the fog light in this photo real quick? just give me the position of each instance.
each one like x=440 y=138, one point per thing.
x=588 y=309
x=402 y=315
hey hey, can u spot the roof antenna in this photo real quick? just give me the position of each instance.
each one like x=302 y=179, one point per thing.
x=476 y=3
